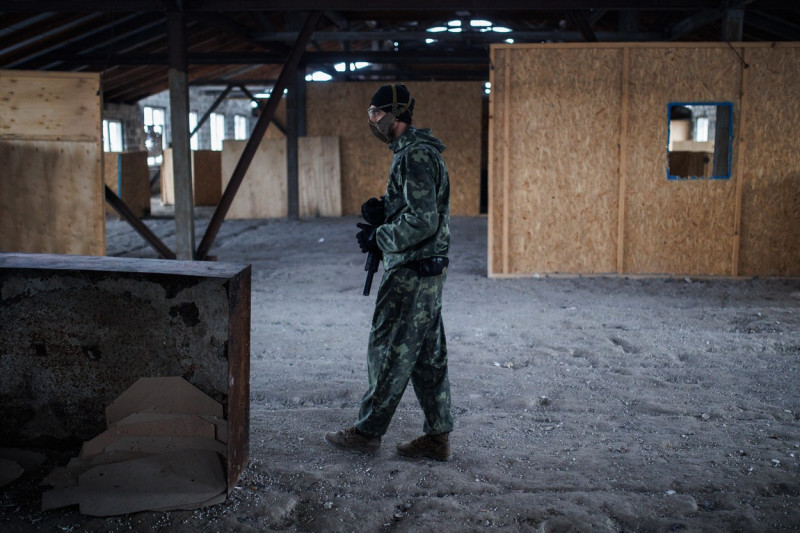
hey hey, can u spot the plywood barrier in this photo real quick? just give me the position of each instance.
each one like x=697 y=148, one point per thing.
x=77 y=331
x=578 y=161
x=51 y=168
x=206 y=177
x=451 y=110
x=263 y=192
x=127 y=175
x=770 y=164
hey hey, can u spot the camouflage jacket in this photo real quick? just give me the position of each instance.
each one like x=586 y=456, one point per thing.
x=417 y=200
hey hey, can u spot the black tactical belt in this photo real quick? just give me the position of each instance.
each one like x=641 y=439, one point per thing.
x=430 y=266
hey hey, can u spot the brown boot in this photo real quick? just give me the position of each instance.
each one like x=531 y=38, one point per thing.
x=430 y=446
x=352 y=439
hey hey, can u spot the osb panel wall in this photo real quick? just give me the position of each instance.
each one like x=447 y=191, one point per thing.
x=554 y=195
x=770 y=229
x=675 y=226
x=206 y=177
x=51 y=174
x=451 y=110
x=663 y=226
x=263 y=191
x=126 y=174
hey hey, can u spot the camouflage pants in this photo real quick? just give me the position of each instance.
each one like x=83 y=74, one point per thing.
x=407 y=342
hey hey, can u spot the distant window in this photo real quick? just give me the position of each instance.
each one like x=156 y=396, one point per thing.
x=217 y=130
x=112 y=136
x=700 y=140
x=240 y=127
x=193 y=142
x=154 y=122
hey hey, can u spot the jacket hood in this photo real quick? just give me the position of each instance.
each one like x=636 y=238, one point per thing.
x=416 y=136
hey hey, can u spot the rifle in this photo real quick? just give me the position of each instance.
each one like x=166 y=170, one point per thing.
x=373 y=260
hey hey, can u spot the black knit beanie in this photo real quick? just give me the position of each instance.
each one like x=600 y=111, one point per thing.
x=394 y=99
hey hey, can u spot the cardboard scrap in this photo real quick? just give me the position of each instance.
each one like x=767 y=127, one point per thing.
x=144 y=424
x=162 y=394
x=155 y=482
x=163 y=450
x=152 y=445
x=9 y=471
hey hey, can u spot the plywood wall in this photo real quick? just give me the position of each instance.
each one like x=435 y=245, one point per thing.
x=578 y=159
x=557 y=155
x=51 y=168
x=263 y=192
x=126 y=174
x=770 y=163
x=206 y=177
x=451 y=110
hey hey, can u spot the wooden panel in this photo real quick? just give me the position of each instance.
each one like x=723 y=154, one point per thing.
x=262 y=193
x=676 y=226
x=54 y=106
x=127 y=171
x=51 y=170
x=498 y=150
x=52 y=197
x=561 y=166
x=207 y=176
x=771 y=164
x=320 y=178
x=452 y=111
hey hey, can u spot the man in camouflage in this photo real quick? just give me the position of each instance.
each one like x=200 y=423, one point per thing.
x=410 y=227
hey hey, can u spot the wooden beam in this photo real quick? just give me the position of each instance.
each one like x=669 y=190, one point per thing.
x=257 y=135
x=179 y=121
x=126 y=213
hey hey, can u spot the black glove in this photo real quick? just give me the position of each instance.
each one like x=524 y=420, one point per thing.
x=366 y=238
x=373 y=211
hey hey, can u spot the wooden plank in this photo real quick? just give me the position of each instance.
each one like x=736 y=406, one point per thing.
x=493 y=171
x=319 y=177
x=50 y=106
x=739 y=163
x=623 y=160
x=506 y=142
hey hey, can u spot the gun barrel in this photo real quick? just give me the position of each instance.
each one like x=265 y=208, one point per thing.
x=371 y=267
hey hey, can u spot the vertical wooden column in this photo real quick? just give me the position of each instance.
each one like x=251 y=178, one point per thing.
x=623 y=160
x=179 y=120
x=738 y=164
x=295 y=128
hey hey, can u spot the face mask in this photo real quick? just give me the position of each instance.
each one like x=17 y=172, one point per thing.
x=382 y=128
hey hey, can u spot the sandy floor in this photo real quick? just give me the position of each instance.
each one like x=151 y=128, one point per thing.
x=582 y=404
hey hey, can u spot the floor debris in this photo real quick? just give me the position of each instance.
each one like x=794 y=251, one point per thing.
x=163 y=450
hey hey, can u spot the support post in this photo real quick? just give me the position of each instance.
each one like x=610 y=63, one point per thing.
x=296 y=119
x=179 y=120
x=257 y=135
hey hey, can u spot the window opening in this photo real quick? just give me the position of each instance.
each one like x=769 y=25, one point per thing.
x=154 y=122
x=700 y=138
x=112 y=136
x=217 y=130
x=193 y=142
x=239 y=127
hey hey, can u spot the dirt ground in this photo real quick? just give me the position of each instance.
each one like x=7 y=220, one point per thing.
x=582 y=404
